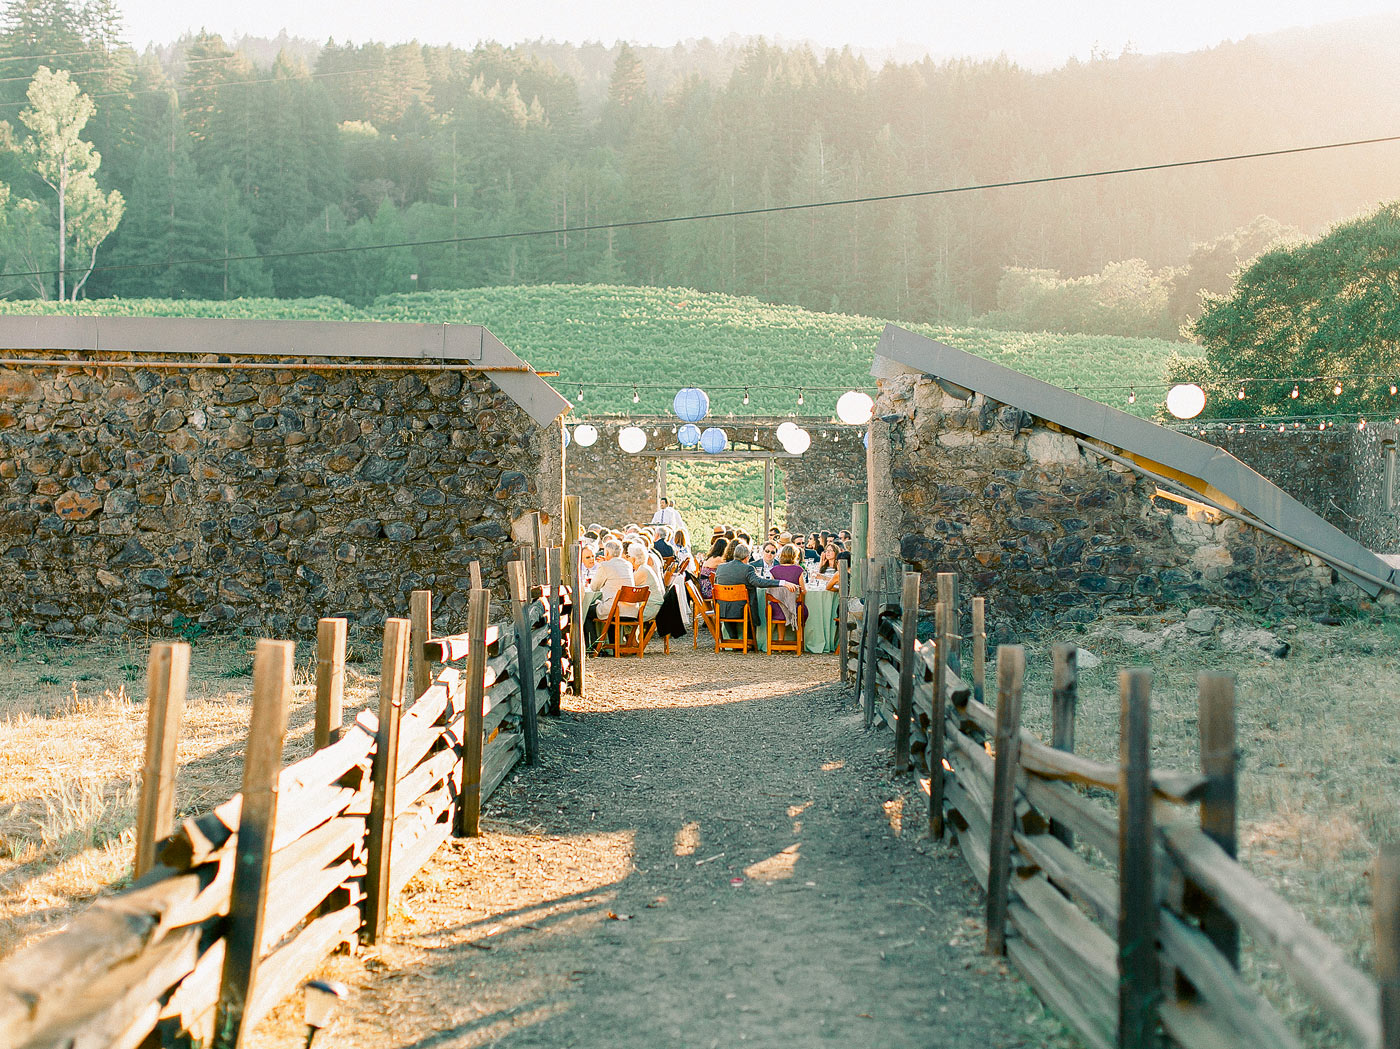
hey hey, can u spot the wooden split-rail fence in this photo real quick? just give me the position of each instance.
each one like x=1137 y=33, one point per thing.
x=230 y=910
x=1128 y=922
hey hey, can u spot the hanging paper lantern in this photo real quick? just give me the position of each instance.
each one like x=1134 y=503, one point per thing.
x=855 y=408
x=714 y=440
x=691 y=404
x=585 y=434
x=1186 y=400
x=798 y=441
x=688 y=435
x=632 y=439
x=566 y=437
x=786 y=428
x=867 y=440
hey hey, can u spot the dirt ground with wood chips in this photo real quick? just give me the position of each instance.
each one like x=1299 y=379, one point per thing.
x=711 y=853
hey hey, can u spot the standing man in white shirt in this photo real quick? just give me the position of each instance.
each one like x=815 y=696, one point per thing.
x=669 y=515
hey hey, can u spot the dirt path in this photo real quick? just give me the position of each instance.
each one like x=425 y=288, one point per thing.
x=712 y=853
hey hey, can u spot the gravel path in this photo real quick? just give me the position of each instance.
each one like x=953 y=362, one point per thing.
x=712 y=853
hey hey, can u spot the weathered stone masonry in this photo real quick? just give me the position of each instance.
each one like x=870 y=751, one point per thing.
x=1046 y=530
x=257 y=500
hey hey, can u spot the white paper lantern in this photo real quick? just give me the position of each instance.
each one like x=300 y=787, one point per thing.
x=798 y=441
x=1186 y=400
x=855 y=408
x=786 y=428
x=586 y=435
x=632 y=439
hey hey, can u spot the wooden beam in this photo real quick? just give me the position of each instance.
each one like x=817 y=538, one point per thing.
x=576 y=641
x=553 y=580
x=1011 y=669
x=843 y=619
x=1139 y=983
x=979 y=649
x=330 y=680
x=1064 y=702
x=469 y=809
x=380 y=829
x=167 y=675
x=420 y=614
x=1216 y=699
x=525 y=655
x=935 y=746
x=909 y=609
x=686 y=453
x=1385 y=894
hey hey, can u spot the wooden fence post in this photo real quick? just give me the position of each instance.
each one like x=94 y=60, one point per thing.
x=909 y=623
x=952 y=622
x=1063 y=707
x=257 y=823
x=553 y=580
x=1011 y=670
x=380 y=829
x=525 y=656
x=167 y=675
x=934 y=755
x=536 y=531
x=1139 y=982
x=330 y=680
x=870 y=646
x=469 y=809
x=420 y=614
x=843 y=621
x=474 y=569
x=1216 y=696
x=573 y=529
x=576 y=642
x=1385 y=894
x=860 y=519
x=979 y=649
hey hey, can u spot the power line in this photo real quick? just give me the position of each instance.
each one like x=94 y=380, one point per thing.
x=708 y=215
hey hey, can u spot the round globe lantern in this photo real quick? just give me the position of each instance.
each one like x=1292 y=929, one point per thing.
x=632 y=439
x=855 y=408
x=688 y=435
x=567 y=438
x=691 y=404
x=784 y=429
x=798 y=441
x=586 y=435
x=714 y=440
x=1186 y=400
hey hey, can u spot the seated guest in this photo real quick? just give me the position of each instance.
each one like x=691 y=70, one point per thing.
x=764 y=565
x=643 y=574
x=812 y=552
x=608 y=578
x=738 y=570
x=845 y=537
x=743 y=537
x=681 y=545
x=661 y=542
x=713 y=560
x=789 y=569
x=827 y=564
x=588 y=558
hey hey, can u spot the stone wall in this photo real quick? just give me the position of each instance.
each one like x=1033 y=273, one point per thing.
x=257 y=500
x=613 y=488
x=825 y=480
x=1045 y=530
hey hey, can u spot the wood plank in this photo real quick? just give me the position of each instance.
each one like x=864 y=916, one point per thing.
x=860 y=521
x=502 y=756
x=947 y=586
x=284 y=970
x=393 y=680
x=1139 y=985
x=869 y=649
x=1216 y=699
x=273 y=662
x=979 y=648
x=330 y=680
x=167 y=675
x=556 y=631
x=1090 y=978
x=1067 y=870
x=1054 y=993
x=420 y=615
x=519 y=599
x=1321 y=968
x=1082 y=945
x=909 y=606
x=843 y=619
x=1064 y=702
x=576 y=638
x=1092 y=824
x=1011 y=665
x=421 y=727
x=469 y=808
x=934 y=755
x=457 y=647
x=302 y=895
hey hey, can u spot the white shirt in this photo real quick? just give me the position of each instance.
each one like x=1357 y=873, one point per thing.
x=609 y=577
x=671 y=517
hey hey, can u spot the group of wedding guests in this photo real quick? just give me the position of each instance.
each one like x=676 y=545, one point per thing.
x=659 y=557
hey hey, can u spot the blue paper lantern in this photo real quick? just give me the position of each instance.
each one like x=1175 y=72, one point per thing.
x=688 y=435
x=567 y=439
x=867 y=439
x=691 y=405
x=714 y=440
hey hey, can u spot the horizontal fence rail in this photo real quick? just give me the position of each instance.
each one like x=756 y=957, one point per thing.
x=233 y=908
x=1126 y=922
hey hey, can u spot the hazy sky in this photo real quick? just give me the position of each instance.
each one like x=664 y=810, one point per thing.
x=1034 y=31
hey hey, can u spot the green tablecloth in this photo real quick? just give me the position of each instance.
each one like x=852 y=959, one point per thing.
x=819 y=635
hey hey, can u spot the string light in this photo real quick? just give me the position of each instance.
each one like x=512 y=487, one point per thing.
x=1336 y=389
x=636 y=396
x=746 y=395
x=1240 y=395
x=801 y=397
x=1392 y=389
x=1294 y=394
x=580 y=392
x=1132 y=395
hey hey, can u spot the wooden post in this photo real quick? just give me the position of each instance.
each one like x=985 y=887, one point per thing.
x=767 y=497
x=1139 y=982
x=420 y=614
x=573 y=530
x=843 y=622
x=167 y=675
x=952 y=622
x=1216 y=696
x=576 y=642
x=469 y=809
x=870 y=647
x=934 y=755
x=909 y=623
x=330 y=680
x=257 y=824
x=525 y=656
x=536 y=531
x=393 y=677
x=1011 y=669
x=979 y=649
x=1385 y=894
x=1063 y=704
x=860 y=519
x=554 y=580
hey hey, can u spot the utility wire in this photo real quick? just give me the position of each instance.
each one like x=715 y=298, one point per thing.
x=704 y=216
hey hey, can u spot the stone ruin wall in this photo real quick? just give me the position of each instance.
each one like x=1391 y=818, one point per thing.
x=260 y=500
x=1045 y=530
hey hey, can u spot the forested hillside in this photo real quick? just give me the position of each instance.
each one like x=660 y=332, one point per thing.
x=300 y=151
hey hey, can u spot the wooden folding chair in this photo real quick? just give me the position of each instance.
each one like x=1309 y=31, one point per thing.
x=626 y=635
x=733 y=593
x=702 y=613
x=770 y=604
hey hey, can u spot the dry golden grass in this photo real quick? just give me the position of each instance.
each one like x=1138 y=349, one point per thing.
x=1319 y=759
x=72 y=736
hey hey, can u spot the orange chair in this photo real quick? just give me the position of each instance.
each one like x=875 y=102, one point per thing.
x=626 y=635
x=702 y=614
x=770 y=604
x=733 y=593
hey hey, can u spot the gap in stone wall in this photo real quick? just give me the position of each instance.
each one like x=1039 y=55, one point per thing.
x=725 y=491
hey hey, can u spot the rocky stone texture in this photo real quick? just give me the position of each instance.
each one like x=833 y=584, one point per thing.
x=257 y=500
x=1044 y=530
x=613 y=487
